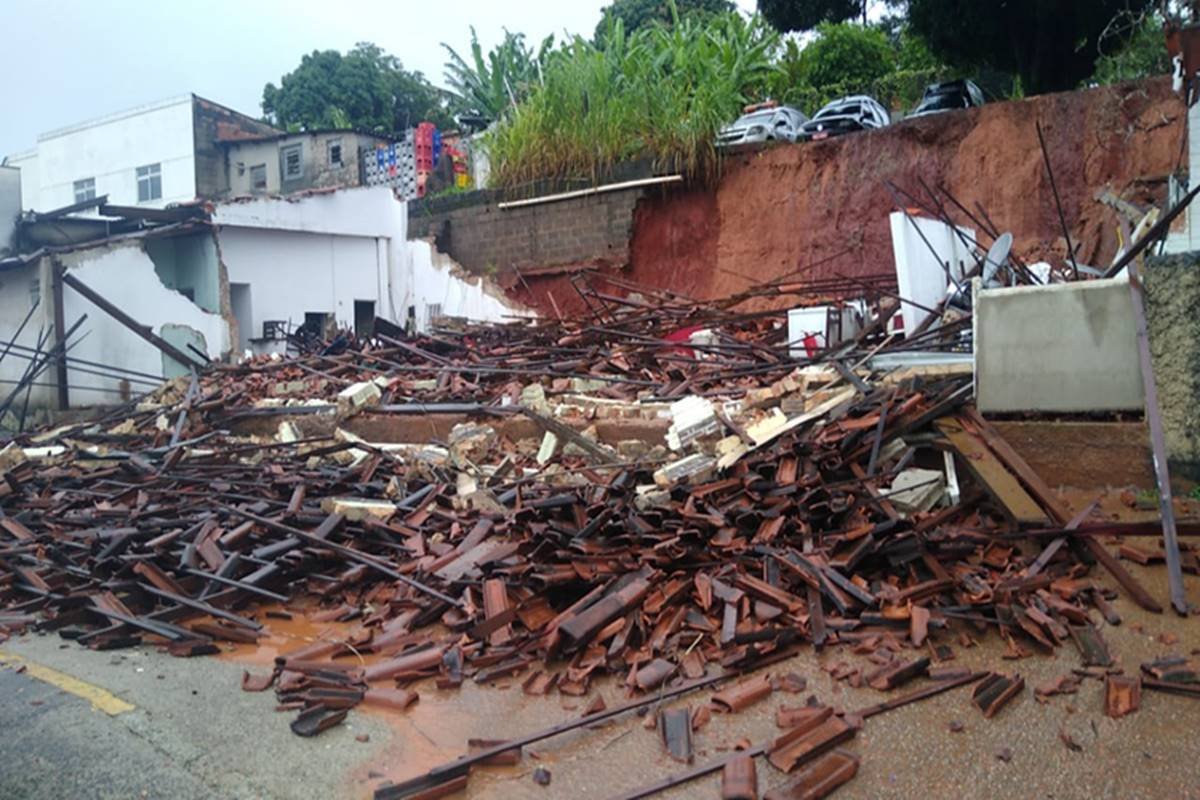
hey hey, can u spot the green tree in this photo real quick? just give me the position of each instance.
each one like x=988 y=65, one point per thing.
x=1050 y=45
x=493 y=83
x=1143 y=55
x=847 y=54
x=366 y=88
x=639 y=13
x=804 y=15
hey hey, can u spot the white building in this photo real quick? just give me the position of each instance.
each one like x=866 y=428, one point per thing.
x=218 y=285
x=152 y=155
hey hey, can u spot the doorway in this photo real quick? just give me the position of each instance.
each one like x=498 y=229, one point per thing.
x=364 y=319
x=239 y=302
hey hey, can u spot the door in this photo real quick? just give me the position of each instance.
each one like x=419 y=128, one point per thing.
x=364 y=319
x=239 y=301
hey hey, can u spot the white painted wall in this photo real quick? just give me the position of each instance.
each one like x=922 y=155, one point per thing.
x=111 y=149
x=124 y=275
x=291 y=273
x=16 y=284
x=436 y=278
x=363 y=211
x=10 y=208
x=321 y=253
x=27 y=163
x=920 y=275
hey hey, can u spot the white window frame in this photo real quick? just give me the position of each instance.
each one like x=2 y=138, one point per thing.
x=329 y=146
x=150 y=176
x=285 y=167
x=85 y=189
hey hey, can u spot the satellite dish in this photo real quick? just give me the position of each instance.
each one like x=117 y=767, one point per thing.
x=996 y=256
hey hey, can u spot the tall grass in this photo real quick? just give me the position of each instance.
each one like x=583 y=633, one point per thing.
x=661 y=93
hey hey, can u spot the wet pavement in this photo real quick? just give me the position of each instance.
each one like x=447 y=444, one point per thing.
x=195 y=734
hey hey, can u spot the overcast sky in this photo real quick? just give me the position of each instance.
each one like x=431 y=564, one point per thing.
x=66 y=61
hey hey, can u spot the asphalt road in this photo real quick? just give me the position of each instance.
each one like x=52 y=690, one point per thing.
x=192 y=733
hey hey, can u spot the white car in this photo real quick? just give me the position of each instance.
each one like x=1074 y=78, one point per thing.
x=844 y=115
x=777 y=123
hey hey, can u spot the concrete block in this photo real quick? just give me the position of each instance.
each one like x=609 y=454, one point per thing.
x=358 y=395
x=1067 y=347
x=1172 y=285
x=696 y=468
x=357 y=508
x=915 y=490
x=693 y=417
x=288 y=432
x=548 y=448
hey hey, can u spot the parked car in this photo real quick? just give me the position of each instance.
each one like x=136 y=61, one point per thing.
x=948 y=96
x=773 y=123
x=845 y=115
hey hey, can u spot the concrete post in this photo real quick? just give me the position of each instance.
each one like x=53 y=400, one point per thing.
x=1172 y=290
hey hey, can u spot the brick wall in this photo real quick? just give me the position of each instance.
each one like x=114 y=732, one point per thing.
x=483 y=238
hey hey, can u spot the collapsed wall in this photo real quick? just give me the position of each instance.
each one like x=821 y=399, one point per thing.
x=820 y=209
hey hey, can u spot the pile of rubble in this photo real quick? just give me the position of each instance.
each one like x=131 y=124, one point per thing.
x=740 y=508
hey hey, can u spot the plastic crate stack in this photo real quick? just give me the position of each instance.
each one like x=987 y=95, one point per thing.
x=393 y=165
x=425 y=153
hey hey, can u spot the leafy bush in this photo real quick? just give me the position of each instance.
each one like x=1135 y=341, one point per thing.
x=660 y=92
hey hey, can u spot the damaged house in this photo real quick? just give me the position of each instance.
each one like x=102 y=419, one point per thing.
x=211 y=282
x=233 y=239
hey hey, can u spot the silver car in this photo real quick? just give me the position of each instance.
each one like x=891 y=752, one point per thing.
x=778 y=123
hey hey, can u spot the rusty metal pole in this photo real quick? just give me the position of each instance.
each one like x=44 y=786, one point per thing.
x=60 y=368
x=1158 y=445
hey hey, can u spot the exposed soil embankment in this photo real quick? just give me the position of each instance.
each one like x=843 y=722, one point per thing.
x=784 y=208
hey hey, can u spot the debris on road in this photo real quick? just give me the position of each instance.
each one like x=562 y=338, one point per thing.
x=548 y=502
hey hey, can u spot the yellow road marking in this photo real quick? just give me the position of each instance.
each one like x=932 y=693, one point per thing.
x=100 y=699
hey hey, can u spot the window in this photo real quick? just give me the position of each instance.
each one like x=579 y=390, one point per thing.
x=293 y=167
x=335 y=152
x=149 y=181
x=85 y=190
x=258 y=178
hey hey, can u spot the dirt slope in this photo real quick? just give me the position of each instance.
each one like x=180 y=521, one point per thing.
x=780 y=209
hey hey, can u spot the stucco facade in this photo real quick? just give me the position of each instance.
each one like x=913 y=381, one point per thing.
x=296 y=161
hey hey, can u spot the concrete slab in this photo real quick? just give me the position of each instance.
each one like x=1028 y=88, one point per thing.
x=1068 y=347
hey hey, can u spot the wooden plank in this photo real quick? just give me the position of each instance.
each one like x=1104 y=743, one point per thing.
x=991 y=473
x=1058 y=510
